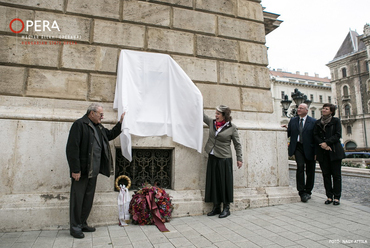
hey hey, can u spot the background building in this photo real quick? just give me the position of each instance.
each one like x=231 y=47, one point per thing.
x=49 y=76
x=317 y=89
x=351 y=87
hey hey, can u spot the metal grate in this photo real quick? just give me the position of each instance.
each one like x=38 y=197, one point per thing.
x=147 y=166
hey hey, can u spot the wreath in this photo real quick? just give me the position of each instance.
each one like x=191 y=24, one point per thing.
x=120 y=178
x=151 y=205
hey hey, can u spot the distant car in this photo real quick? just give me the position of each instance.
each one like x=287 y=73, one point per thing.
x=362 y=158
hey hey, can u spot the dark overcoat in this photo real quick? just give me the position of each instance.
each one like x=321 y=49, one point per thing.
x=331 y=135
x=307 y=136
x=80 y=147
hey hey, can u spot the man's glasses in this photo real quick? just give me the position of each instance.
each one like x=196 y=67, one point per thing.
x=101 y=114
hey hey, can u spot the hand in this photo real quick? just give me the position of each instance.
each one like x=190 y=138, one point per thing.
x=284 y=126
x=328 y=148
x=122 y=116
x=323 y=145
x=76 y=176
x=239 y=164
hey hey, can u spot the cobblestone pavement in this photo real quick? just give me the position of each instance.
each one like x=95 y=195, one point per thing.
x=354 y=189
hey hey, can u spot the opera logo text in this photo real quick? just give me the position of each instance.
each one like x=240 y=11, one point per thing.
x=37 y=25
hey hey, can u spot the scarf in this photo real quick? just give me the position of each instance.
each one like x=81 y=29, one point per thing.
x=219 y=124
x=325 y=119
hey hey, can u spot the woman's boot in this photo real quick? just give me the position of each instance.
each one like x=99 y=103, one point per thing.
x=226 y=211
x=216 y=209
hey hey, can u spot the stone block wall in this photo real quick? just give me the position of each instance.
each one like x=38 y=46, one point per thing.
x=49 y=77
x=223 y=40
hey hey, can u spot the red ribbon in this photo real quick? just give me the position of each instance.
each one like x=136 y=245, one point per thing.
x=155 y=212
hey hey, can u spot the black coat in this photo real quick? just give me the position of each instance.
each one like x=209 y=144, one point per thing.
x=307 y=136
x=331 y=135
x=80 y=147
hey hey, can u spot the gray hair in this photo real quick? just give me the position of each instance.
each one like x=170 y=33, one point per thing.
x=93 y=107
x=221 y=108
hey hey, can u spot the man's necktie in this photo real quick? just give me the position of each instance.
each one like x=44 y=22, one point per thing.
x=300 y=131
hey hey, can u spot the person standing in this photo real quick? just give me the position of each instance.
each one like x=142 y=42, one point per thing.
x=302 y=146
x=329 y=152
x=219 y=176
x=88 y=154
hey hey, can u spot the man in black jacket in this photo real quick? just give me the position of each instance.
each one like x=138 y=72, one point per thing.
x=88 y=154
x=300 y=131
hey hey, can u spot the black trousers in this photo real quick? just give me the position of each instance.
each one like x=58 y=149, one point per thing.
x=219 y=180
x=81 y=201
x=332 y=175
x=304 y=184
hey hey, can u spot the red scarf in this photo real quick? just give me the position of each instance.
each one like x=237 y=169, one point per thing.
x=219 y=124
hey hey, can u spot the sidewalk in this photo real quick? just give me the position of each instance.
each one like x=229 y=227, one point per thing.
x=311 y=224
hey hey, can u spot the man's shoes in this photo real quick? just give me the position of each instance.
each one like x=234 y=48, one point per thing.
x=86 y=228
x=79 y=235
x=336 y=203
x=305 y=197
x=328 y=201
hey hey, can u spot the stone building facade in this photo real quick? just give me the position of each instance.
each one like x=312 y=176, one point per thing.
x=317 y=89
x=57 y=56
x=351 y=88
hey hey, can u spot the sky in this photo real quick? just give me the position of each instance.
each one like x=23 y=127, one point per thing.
x=312 y=32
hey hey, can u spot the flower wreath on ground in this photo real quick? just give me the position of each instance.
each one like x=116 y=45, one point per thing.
x=151 y=205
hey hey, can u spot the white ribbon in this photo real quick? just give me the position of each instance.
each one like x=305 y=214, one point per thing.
x=124 y=200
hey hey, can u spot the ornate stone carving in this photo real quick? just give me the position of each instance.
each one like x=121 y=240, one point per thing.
x=367 y=29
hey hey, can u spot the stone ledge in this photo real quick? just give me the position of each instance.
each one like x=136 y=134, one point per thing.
x=346 y=171
x=20 y=212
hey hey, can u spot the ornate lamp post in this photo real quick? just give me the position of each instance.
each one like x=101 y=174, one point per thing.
x=298 y=98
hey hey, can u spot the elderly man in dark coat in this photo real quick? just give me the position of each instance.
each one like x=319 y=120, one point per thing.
x=302 y=145
x=88 y=154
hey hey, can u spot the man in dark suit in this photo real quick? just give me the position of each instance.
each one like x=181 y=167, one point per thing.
x=88 y=154
x=300 y=131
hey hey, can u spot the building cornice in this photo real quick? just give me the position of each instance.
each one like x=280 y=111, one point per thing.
x=302 y=85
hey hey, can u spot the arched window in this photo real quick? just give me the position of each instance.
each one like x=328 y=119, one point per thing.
x=344 y=72
x=345 y=91
x=350 y=145
x=347 y=110
x=349 y=130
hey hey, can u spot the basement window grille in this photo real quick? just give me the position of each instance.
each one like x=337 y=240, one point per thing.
x=147 y=166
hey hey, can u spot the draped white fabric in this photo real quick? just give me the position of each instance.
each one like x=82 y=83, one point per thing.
x=158 y=98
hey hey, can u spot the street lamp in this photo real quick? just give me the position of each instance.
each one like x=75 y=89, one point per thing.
x=298 y=98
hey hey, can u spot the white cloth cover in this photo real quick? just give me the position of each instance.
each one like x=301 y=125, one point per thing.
x=158 y=98
x=123 y=200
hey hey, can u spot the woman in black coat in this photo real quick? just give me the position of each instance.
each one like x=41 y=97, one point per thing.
x=329 y=152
